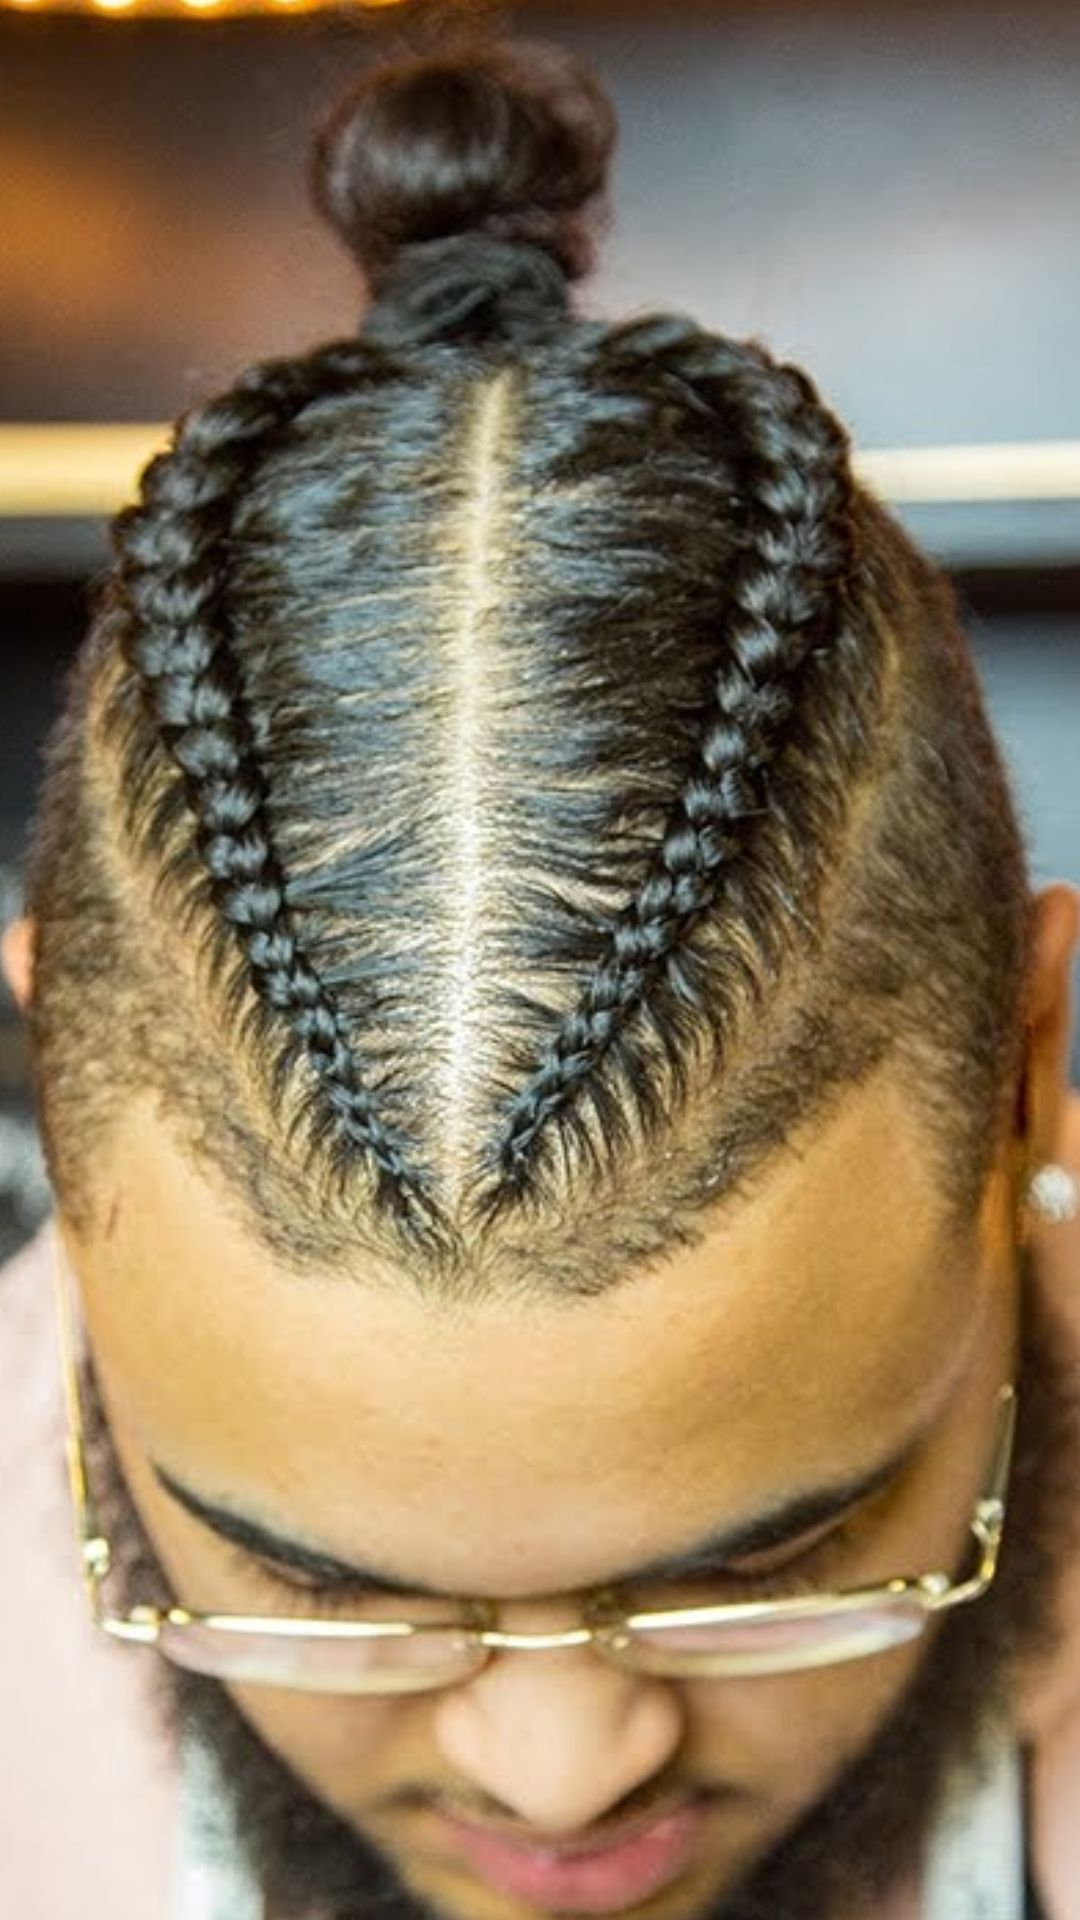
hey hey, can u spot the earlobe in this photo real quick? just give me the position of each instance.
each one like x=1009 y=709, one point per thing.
x=17 y=957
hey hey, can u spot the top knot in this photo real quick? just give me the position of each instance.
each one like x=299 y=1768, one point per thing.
x=507 y=142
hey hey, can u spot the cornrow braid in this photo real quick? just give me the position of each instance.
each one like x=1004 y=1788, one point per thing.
x=170 y=579
x=785 y=596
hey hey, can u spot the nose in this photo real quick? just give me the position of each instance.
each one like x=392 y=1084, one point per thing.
x=558 y=1737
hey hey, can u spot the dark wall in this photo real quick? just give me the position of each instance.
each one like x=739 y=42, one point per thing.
x=887 y=192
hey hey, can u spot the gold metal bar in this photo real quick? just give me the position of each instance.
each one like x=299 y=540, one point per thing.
x=1019 y=470
x=73 y=469
x=91 y=468
x=193 y=9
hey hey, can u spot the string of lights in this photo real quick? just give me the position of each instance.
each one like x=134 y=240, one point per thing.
x=145 y=9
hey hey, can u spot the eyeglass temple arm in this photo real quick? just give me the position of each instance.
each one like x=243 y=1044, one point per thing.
x=143 y=1625
x=988 y=1520
x=94 y=1557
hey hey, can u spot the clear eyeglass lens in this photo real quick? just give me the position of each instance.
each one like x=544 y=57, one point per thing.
x=374 y=1663
x=767 y=1645
x=446 y=1656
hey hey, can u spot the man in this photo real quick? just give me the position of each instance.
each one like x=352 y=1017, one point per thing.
x=811 y=1393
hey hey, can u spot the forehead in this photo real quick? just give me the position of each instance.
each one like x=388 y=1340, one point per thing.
x=534 y=1444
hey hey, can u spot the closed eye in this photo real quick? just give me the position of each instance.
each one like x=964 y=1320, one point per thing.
x=814 y=1552
x=808 y=1563
x=798 y=1559
x=276 y=1582
x=289 y=1593
x=790 y=1553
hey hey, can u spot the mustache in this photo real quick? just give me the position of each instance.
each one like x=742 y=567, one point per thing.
x=648 y=1801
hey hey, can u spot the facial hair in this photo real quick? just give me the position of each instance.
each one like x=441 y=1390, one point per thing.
x=866 y=1833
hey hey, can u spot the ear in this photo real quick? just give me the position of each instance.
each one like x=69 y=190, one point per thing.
x=1044 y=1090
x=17 y=958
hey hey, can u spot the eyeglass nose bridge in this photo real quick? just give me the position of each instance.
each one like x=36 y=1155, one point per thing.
x=602 y=1616
x=495 y=1640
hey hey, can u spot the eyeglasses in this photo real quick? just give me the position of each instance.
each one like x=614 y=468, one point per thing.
x=377 y=1656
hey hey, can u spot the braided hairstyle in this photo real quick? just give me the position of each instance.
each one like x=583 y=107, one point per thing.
x=786 y=593
x=515 y=774
x=171 y=557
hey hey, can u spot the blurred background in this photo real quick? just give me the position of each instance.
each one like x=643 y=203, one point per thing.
x=887 y=195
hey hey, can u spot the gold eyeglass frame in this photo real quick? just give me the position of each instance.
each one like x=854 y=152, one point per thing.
x=605 y=1626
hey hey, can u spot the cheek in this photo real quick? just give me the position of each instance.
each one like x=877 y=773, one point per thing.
x=347 y=1752
x=787 y=1738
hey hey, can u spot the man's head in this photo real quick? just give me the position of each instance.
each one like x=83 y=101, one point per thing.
x=528 y=1453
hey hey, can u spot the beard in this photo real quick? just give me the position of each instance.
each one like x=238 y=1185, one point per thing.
x=862 y=1837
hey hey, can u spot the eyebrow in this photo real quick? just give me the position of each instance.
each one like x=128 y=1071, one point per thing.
x=774 y=1527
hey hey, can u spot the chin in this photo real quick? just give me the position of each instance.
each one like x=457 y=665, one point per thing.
x=733 y=1840
x=447 y=1894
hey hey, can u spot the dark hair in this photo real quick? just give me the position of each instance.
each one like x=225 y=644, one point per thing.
x=515 y=775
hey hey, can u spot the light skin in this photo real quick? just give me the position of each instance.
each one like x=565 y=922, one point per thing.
x=530 y=1452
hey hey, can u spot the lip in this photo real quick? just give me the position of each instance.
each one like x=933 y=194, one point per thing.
x=583 y=1875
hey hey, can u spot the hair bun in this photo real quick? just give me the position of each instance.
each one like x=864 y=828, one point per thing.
x=436 y=168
